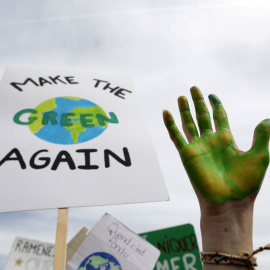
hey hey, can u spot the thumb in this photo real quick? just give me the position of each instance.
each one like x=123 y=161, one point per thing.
x=261 y=135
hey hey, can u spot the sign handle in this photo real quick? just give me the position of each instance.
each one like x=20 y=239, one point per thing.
x=60 y=250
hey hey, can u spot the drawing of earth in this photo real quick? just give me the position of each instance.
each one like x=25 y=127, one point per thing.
x=72 y=131
x=100 y=261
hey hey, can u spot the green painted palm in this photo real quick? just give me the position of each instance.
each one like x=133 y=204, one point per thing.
x=214 y=164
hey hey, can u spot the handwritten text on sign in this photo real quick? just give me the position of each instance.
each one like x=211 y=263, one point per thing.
x=101 y=84
x=119 y=241
x=110 y=242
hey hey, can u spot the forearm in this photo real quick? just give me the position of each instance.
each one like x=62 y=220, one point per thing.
x=227 y=228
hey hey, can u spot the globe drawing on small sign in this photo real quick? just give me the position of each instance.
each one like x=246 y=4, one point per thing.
x=100 y=261
x=67 y=120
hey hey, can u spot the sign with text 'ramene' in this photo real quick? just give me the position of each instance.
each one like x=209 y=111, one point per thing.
x=73 y=139
x=28 y=254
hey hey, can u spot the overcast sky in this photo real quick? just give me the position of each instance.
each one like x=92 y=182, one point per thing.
x=220 y=46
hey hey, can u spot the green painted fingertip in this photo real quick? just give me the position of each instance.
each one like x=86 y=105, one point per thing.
x=263 y=127
x=214 y=99
x=196 y=93
x=168 y=118
x=194 y=88
x=183 y=103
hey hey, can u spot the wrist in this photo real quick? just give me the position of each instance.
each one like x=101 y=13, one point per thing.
x=227 y=227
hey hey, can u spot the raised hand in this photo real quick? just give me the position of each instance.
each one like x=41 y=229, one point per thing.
x=214 y=164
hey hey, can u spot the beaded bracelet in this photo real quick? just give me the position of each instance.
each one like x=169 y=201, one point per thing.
x=244 y=258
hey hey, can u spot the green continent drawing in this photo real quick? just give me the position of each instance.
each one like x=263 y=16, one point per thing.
x=100 y=261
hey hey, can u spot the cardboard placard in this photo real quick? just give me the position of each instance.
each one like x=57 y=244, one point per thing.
x=75 y=242
x=111 y=245
x=73 y=139
x=27 y=254
x=178 y=246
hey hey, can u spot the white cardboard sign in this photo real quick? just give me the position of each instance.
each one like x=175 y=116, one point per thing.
x=27 y=254
x=111 y=245
x=72 y=139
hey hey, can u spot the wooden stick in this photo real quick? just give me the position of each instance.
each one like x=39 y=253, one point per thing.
x=60 y=250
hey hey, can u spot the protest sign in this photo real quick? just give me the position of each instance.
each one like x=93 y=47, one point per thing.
x=75 y=242
x=178 y=246
x=111 y=245
x=27 y=254
x=72 y=139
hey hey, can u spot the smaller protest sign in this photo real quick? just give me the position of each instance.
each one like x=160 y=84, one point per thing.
x=178 y=246
x=27 y=254
x=75 y=242
x=111 y=245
